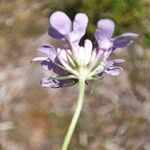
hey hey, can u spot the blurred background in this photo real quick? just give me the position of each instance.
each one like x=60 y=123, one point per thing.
x=115 y=116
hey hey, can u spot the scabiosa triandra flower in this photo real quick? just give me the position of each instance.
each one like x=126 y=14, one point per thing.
x=69 y=61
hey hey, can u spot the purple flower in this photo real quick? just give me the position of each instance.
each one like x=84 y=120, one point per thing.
x=67 y=62
x=107 y=44
x=104 y=32
x=61 y=27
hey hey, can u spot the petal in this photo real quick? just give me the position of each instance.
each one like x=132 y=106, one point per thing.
x=73 y=38
x=57 y=69
x=127 y=35
x=88 y=51
x=49 y=64
x=60 y=24
x=97 y=58
x=105 y=29
x=124 y=40
x=115 y=62
x=118 y=61
x=62 y=54
x=49 y=50
x=80 y=24
x=105 y=44
x=94 y=55
x=55 y=34
x=52 y=83
x=81 y=56
x=67 y=82
x=39 y=59
x=114 y=71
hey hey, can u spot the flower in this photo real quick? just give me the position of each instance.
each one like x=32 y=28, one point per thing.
x=68 y=62
x=63 y=28
x=104 y=32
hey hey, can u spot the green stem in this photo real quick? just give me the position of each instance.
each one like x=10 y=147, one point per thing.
x=76 y=113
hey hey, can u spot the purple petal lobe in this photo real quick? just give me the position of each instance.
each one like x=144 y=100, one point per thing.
x=114 y=71
x=57 y=69
x=60 y=22
x=124 y=40
x=120 y=44
x=48 y=50
x=73 y=38
x=105 y=29
x=55 y=34
x=127 y=35
x=52 y=83
x=118 y=61
x=115 y=62
x=105 y=44
x=80 y=24
x=39 y=58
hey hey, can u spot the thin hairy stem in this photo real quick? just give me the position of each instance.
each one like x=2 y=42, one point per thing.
x=76 y=113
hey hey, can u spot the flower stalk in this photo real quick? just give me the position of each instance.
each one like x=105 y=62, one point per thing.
x=77 y=112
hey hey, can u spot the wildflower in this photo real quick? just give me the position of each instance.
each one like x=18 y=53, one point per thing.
x=104 y=32
x=74 y=63
x=68 y=62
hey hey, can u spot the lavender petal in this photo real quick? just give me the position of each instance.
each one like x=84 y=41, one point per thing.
x=55 y=33
x=49 y=50
x=80 y=24
x=39 y=59
x=114 y=71
x=49 y=83
x=60 y=24
x=105 y=29
x=124 y=40
x=115 y=62
x=52 y=83
x=57 y=69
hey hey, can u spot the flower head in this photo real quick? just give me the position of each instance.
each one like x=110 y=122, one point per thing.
x=68 y=62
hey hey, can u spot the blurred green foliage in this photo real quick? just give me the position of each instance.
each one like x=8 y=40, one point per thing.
x=146 y=23
x=125 y=13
